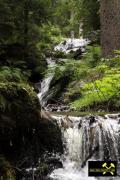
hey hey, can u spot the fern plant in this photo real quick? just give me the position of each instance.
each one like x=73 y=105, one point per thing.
x=99 y=91
x=12 y=74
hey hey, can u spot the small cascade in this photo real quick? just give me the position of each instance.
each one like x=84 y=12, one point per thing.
x=72 y=45
x=66 y=46
x=84 y=139
x=44 y=86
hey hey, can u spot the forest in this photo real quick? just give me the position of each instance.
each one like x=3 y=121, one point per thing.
x=56 y=56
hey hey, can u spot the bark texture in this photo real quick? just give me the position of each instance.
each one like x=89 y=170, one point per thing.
x=110 y=26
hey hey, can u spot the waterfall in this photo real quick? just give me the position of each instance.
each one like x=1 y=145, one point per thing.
x=45 y=84
x=66 y=46
x=87 y=138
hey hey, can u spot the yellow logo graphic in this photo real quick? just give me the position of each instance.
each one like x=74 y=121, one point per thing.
x=110 y=169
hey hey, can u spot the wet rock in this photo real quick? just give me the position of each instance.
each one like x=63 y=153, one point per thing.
x=46 y=115
x=92 y=120
x=77 y=54
x=66 y=122
x=57 y=107
x=71 y=45
x=54 y=164
x=80 y=125
x=112 y=116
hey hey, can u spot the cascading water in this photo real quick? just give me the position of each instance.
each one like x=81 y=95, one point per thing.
x=72 y=45
x=45 y=84
x=86 y=138
x=66 y=46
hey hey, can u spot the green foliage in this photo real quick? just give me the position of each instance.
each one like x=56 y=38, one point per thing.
x=62 y=69
x=29 y=31
x=71 y=14
x=90 y=18
x=103 y=87
x=100 y=91
x=12 y=75
x=67 y=15
x=20 y=17
x=27 y=35
x=92 y=56
x=94 y=82
x=79 y=72
x=18 y=103
x=50 y=35
x=80 y=69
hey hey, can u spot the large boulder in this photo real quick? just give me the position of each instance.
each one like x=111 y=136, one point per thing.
x=19 y=105
x=24 y=135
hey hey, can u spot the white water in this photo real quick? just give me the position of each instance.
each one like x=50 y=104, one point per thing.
x=105 y=133
x=68 y=172
x=72 y=45
x=80 y=142
x=45 y=84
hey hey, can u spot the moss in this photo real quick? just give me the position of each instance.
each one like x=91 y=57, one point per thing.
x=80 y=113
x=19 y=103
x=24 y=136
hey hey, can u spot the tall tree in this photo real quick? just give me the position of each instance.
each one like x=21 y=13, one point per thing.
x=110 y=26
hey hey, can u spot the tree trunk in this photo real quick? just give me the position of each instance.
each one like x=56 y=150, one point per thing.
x=110 y=26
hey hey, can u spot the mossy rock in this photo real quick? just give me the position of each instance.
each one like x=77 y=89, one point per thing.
x=18 y=105
x=19 y=116
x=24 y=135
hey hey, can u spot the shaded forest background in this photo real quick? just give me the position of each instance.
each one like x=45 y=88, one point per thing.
x=30 y=29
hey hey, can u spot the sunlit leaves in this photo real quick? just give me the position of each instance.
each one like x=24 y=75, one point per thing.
x=99 y=91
